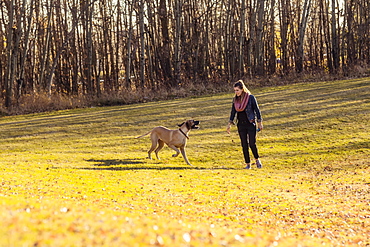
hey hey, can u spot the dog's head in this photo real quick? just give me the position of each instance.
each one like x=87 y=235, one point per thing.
x=190 y=124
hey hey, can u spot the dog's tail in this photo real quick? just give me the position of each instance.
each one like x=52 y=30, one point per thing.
x=143 y=135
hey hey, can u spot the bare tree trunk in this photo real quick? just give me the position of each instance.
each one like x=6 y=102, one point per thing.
x=74 y=55
x=351 y=54
x=284 y=35
x=343 y=45
x=112 y=72
x=334 y=37
x=152 y=44
x=271 y=51
x=46 y=50
x=25 y=48
x=87 y=63
x=206 y=42
x=302 y=31
x=9 y=51
x=242 y=39
x=259 y=53
x=129 y=45
x=13 y=42
x=251 y=41
x=227 y=38
x=117 y=45
x=327 y=35
x=177 y=53
x=165 y=56
x=150 y=75
x=366 y=29
x=105 y=46
x=142 y=44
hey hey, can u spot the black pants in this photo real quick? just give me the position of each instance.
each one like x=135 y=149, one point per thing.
x=247 y=133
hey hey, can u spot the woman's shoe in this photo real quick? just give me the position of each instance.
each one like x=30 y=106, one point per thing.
x=259 y=164
x=248 y=166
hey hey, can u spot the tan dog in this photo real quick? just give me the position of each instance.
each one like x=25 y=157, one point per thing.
x=175 y=139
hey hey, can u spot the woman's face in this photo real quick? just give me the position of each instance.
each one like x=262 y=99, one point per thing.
x=238 y=91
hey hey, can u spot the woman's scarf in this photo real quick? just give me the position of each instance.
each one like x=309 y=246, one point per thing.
x=241 y=103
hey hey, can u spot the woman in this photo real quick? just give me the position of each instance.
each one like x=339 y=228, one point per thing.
x=246 y=109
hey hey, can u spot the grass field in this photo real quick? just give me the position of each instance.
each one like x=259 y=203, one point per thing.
x=80 y=178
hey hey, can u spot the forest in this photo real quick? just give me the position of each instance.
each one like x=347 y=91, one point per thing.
x=97 y=48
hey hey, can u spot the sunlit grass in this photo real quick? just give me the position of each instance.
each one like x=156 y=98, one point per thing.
x=80 y=178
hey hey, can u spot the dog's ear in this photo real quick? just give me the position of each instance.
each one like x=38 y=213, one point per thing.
x=180 y=124
x=188 y=125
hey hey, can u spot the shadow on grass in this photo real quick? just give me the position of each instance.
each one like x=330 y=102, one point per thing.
x=115 y=162
x=135 y=164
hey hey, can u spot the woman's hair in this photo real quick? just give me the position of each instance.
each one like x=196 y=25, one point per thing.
x=240 y=84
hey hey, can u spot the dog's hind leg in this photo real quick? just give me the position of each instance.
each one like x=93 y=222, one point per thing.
x=160 y=146
x=184 y=156
x=154 y=145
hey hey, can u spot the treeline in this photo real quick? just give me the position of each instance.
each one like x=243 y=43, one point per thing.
x=96 y=47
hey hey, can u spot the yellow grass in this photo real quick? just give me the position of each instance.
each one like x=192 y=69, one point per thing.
x=80 y=178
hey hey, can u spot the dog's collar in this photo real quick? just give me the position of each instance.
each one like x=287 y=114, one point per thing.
x=184 y=133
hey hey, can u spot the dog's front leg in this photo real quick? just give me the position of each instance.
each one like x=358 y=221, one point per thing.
x=184 y=155
x=176 y=149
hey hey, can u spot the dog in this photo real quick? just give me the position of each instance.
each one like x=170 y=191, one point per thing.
x=175 y=139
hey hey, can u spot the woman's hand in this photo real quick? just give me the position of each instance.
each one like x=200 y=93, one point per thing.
x=228 y=128
x=260 y=125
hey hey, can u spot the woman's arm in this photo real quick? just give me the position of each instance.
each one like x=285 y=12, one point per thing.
x=258 y=113
x=232 y=114
x=231 y=119
x=256 y=109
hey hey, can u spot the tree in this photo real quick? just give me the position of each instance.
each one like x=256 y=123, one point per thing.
x=165 y=51
x=334 y=35
x=302 y=31
x=86 y=47
x=177 y=40
x=259 y=50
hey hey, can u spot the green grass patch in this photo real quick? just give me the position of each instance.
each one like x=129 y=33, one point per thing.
x=80 y=178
